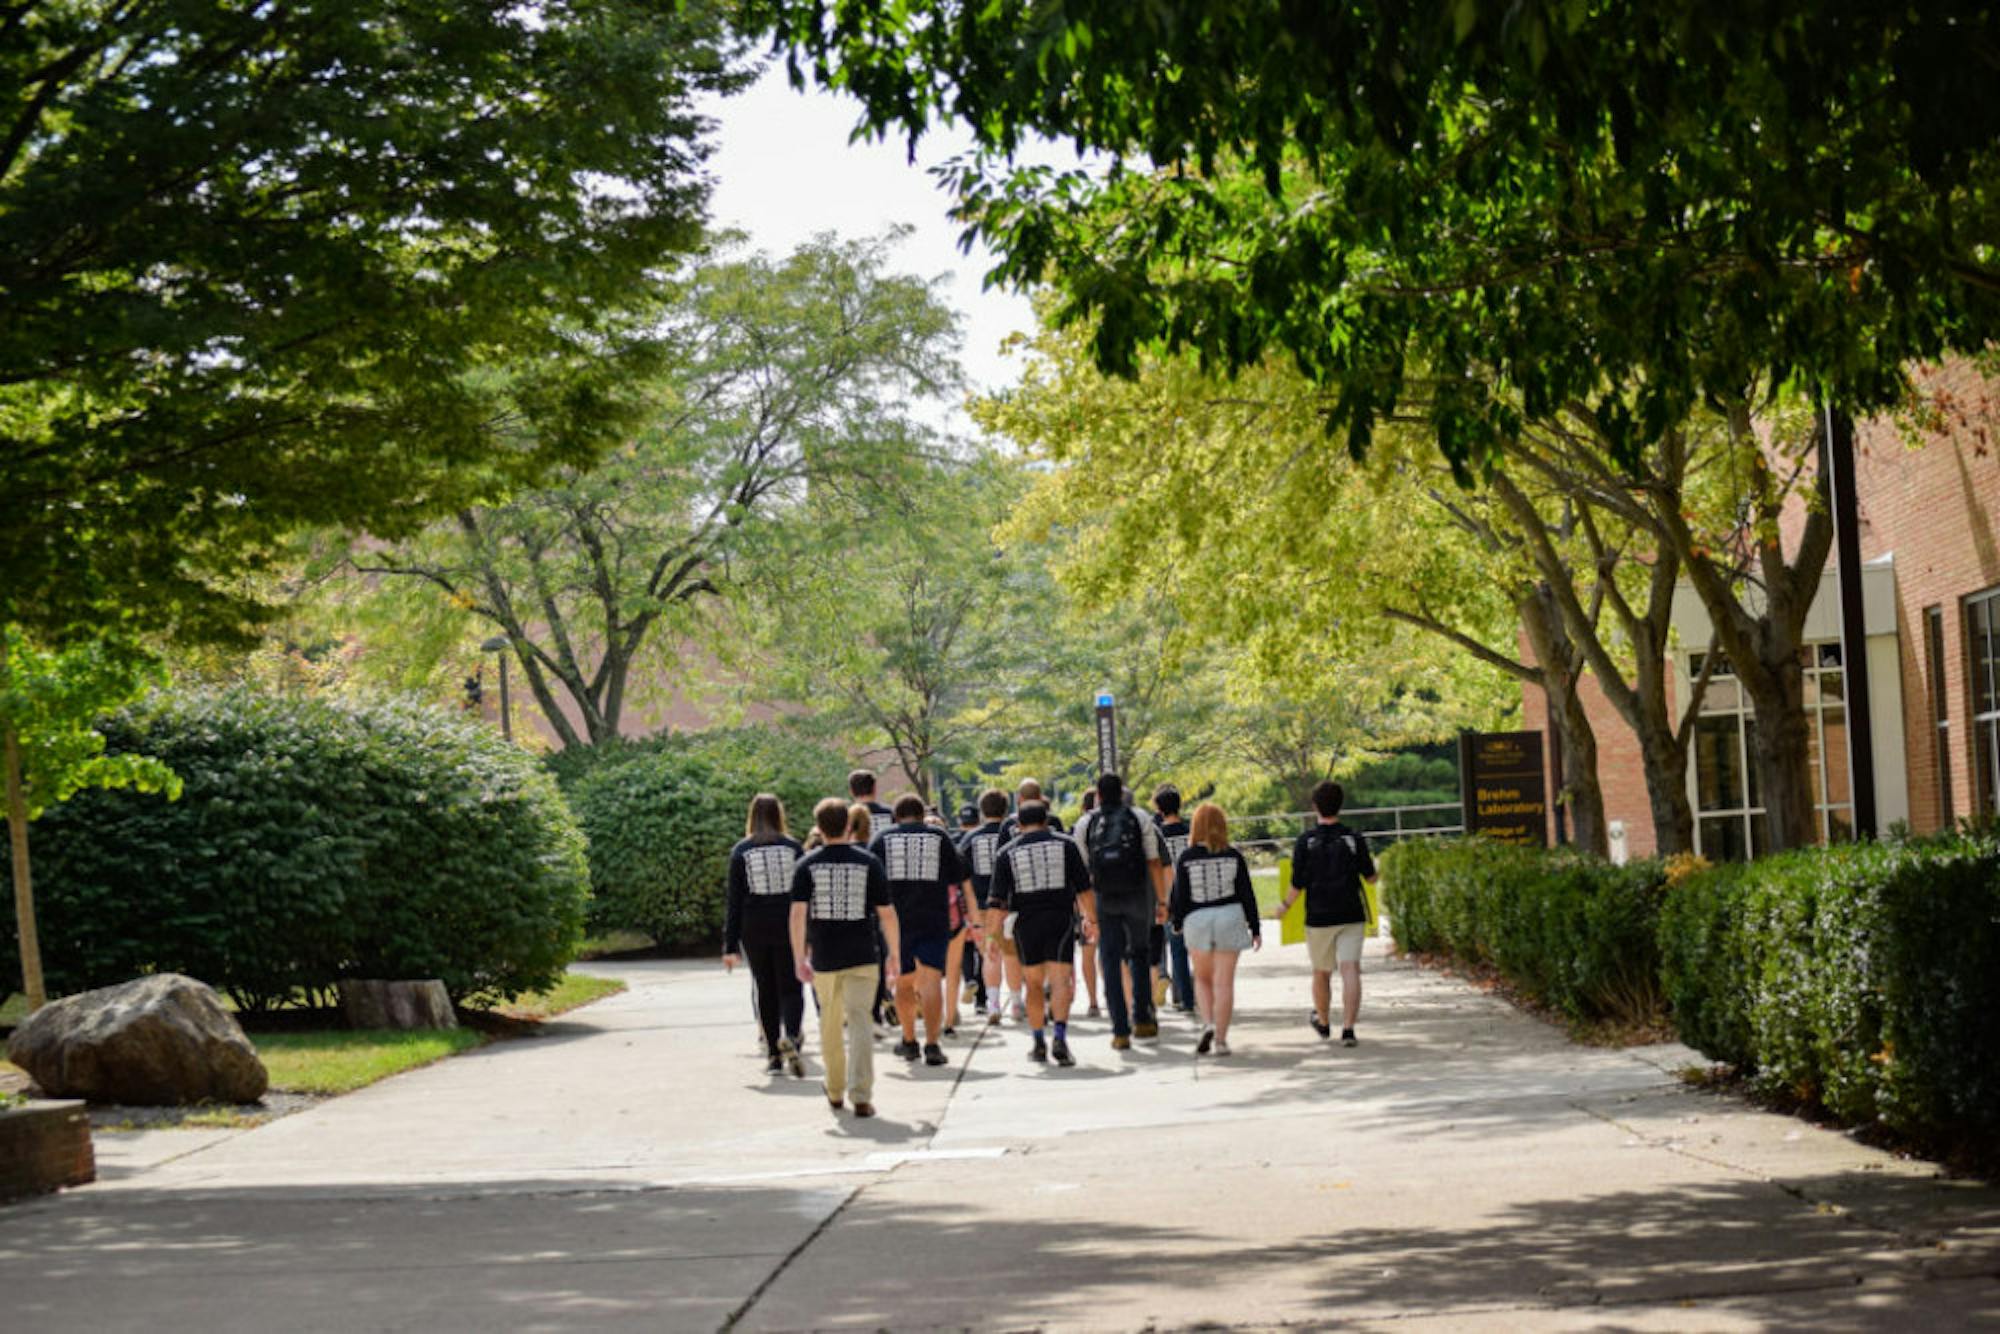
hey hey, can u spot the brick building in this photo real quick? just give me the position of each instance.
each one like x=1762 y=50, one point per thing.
x=1930 y=547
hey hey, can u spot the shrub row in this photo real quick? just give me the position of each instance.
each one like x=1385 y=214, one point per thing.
x=313 y=841
x=1863 y=978
x=1570 y=931
x=662 y=815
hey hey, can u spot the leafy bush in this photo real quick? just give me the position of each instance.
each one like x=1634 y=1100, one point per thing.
x=313 y=841
x=662 y=814
x=1570 y=931
x=1863 y=978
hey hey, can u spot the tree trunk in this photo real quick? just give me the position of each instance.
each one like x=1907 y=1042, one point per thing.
x=1780 y=757
x=17 y=838
x=1560 y=672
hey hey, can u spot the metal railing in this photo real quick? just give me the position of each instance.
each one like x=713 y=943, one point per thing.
x=1401 y=824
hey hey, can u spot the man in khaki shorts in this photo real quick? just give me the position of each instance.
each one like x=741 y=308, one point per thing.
x=1329 y=863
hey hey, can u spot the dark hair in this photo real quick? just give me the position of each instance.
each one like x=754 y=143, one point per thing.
x=1089 y=800
x=910 y=806
x=861 y=783
x=993 y=804
x=1110 y=789
x=1034 y=812
x=767 y=818
x=830 y=818
x=1327 y=796
x=1167 y=799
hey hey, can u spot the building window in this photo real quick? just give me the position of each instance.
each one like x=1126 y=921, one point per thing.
x=1982 y=657
x=1940 y=710
x=1729 y=808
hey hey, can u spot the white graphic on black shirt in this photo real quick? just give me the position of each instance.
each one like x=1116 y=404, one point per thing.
x=1176 y=845
x=911 y=856
x=1039 y=868
x=769 y=870
x=982 y=850
x=840 y=892
x=1212 y=880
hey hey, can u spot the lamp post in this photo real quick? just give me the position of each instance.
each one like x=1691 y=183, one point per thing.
x=500 y=645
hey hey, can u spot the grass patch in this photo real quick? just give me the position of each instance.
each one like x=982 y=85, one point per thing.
x=615 y=942
x=340 y=1061
x=575 y=989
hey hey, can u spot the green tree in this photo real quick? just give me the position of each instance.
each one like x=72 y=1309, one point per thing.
x=1631 y=206
x=257 y=262
x=786 y=410
x=50 y=749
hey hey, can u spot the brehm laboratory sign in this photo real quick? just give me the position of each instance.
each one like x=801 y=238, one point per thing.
x=1504 y=786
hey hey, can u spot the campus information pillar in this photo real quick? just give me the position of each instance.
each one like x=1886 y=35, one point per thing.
x=1107 y=734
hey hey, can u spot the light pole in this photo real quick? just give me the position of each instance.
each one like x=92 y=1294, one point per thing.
x=500 y=645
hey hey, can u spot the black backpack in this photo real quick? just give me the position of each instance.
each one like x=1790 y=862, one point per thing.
x=1117 y=853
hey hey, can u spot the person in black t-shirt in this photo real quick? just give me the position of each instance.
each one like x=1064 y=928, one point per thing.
x=840 y=896
x=1040 y=884
x=924 y=877
x=861 y=794
x=1173 y=842
x=1215 y=907
x=963 y=969
x=1329 y=862
x=980 y=849
x=757 y=927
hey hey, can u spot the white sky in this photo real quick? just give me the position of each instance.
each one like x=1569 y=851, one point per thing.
x=785 y=170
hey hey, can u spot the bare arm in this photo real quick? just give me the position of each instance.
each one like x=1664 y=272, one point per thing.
x=800 y=963
x=893 y=965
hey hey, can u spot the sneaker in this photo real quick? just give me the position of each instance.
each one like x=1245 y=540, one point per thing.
x=951 y=1029
x=1147 y=1030
x=1061 y=1052
x=1094 y=1012
x=1119 y=1042
x=993 y=1017
x=1319 y=1025
x=1221 y=1047
x=968 y=994
x=908 y=1049
x=1347 y=1038
x=1039 y=1052
x=1207 y=1042
x=934 y=1054
x=832 y=1102
x=794 y=1063
x=864 y=1109
x=775 y=1065
x=1018 y=1007
x=1160 y=991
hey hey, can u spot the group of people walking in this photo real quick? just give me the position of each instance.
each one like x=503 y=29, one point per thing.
x=889 y=915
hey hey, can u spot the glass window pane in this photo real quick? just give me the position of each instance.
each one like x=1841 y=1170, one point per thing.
x=1722 y=838
x=1718 y=764
x=1979 y=654
x=1760 y=838
x=1752 y=785
x=1985 y=738
x=1839 y=825
x=1721 y=696
x=1813 y=767
x=1831 y=687
x=1835 y=723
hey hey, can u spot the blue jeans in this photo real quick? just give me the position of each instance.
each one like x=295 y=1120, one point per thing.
x=1183 y=971
x=1124 y=939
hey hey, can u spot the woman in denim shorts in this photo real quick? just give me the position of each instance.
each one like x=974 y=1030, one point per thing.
x=1214 y=908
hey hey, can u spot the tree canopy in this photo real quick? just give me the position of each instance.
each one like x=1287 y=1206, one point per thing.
x=254 y=260
x=1630 y=206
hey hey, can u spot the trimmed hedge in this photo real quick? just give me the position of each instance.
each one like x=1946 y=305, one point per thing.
x=662 y=815
x=314 y=840
x=1570 y=931
x=1863 y=978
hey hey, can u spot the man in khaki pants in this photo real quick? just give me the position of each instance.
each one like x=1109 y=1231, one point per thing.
x=834 y=889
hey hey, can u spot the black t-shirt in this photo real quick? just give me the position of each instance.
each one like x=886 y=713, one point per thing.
x=980 y=849
x=1329 y=862
x=1041 y=871
x=1204 y=879
x=841 y=886
x=760 y=891
x=1173 y=839
x=924 y=872
x=1010 y=828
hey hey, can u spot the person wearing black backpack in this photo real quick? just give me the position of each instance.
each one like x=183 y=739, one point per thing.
x=1127 y=870
x=1329 y=862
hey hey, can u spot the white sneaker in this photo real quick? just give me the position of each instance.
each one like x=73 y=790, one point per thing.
x=1222 y=1047
x=1018 y=1007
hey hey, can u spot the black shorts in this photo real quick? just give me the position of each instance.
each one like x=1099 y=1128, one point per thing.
x=926 y=950
x=1045 y=937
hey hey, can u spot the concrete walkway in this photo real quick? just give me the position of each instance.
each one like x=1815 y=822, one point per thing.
x=1465 y=1168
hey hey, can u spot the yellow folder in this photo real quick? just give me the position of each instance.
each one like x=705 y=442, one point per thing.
x=1292 y=930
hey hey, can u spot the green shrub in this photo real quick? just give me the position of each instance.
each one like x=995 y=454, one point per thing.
x=662 y=814
x=1571 y=931
x=313 y=841
x=1863 y=978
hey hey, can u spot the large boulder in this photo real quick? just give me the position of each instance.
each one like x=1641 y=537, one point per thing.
x=163 y=1040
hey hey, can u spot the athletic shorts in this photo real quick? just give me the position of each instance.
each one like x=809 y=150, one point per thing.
x=1334 y=945
x=1222 y=927
x=926 y=950
x=1045 y=937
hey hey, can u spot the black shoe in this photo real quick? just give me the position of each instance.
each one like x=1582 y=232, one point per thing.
x=1347 y=1038
x=775 y=1066
x=908 y=1049
x=951 y=1030
x=1039 y=1052
x=934 y=1054
x=1207 y=1042
x=1061 y=1052
x=1320 y=1026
